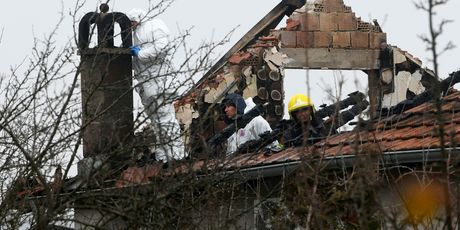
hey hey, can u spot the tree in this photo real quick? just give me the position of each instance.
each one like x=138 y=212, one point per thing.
x=40 y=121
x=41 y=136
x=432 y=43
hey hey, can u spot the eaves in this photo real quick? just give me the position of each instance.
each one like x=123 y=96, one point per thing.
x=387 y=159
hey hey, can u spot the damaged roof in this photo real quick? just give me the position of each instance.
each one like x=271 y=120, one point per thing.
x=414 y=129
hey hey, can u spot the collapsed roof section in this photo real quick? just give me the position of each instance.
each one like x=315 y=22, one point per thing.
x=409 y=137
x=325 y=34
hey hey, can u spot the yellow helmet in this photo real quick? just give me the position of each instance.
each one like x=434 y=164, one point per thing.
x=299 y=101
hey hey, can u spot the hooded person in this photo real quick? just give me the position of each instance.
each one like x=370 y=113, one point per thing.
x=156 y=90
x=234 y=106
x=304 y=126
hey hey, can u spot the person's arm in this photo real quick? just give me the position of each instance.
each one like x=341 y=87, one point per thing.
x=260 y=126
x=231 y=144
x=154 y=39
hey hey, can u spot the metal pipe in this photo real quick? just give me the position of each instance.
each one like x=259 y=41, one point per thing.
x=105 y=23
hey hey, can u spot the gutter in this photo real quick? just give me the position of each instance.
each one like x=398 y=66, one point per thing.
x=388 y=159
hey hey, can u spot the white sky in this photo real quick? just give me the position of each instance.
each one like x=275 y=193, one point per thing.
x=211 y=19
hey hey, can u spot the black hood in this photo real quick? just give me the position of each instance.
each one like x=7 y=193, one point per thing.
x=237 y=101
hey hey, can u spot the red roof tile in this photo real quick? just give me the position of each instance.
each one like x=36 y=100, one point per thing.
x=415 y=129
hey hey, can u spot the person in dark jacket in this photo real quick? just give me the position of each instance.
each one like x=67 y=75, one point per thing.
x=304 y=129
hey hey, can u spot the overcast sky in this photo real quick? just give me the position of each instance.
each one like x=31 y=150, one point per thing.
x=211 y=19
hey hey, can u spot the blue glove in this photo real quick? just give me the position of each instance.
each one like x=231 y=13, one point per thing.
x=135 y=50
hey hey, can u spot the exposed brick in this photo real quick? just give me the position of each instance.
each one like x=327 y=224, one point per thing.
x=237 y=58
x=305 y=39
x=309 y=22
x=364 y=26
x=346 y=22
x=328 y=22
x=319 y=7
x=296 y=16
x=375 y=39
x=288 y=39
x=359 y=40
x=322 y=39
x=292 y=24
x=341 y=40
x=333 y=5
x=276 y=34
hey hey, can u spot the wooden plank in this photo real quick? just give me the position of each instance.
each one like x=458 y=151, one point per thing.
x=324 y=58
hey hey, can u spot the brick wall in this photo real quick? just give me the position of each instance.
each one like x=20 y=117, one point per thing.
x=330 y=24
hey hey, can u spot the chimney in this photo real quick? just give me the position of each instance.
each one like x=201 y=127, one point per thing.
x=106 y=90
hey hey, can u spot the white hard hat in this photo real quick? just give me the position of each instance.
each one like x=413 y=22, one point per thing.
x=136 y=14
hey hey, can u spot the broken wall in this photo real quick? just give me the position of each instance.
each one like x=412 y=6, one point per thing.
x=255 y=72
x=328 y=35
x=324 y=34
x=405 y=79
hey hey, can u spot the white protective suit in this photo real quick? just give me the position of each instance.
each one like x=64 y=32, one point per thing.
x=251 y=131
x=154 y=88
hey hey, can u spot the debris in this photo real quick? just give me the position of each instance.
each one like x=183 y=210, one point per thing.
x=237 y=58
x=292 y=24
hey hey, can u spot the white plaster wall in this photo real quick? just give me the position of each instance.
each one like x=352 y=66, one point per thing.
x=402 y=81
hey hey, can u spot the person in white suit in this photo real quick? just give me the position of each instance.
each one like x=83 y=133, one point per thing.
x=234 y=106
x=149 y=50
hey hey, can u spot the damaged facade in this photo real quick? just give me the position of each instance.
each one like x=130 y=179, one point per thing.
x=324 y=34
x=320 y=35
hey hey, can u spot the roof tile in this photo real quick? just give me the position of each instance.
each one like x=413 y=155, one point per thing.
x=415 y=129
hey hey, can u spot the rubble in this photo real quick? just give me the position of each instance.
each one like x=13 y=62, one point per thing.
x=324 y=34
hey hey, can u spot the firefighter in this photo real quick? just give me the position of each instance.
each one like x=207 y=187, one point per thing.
x=234 y=106
x=304 y=127
x=149 y=50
